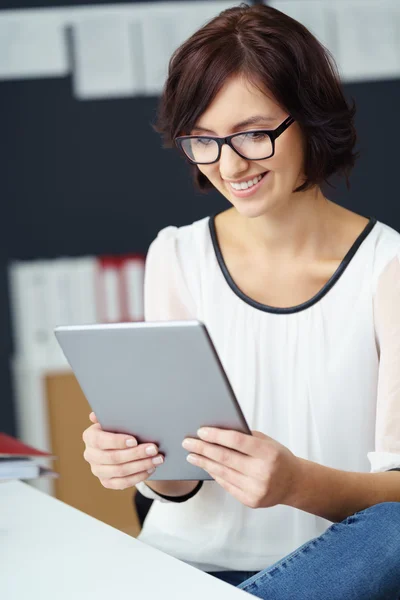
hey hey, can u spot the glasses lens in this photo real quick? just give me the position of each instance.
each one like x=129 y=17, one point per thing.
x=253 y=145
x=200 y=149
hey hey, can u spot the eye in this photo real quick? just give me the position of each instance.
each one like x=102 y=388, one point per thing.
x=202 y=141
x=256 y=136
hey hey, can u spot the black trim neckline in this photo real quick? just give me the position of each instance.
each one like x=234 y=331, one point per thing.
x=185 y=497
x=291 y=309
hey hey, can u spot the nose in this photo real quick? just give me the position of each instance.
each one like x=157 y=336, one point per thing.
x=231 y=165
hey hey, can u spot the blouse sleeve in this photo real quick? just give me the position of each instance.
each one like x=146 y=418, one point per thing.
x=166 y=298
x=166 y=294
x=386 y=455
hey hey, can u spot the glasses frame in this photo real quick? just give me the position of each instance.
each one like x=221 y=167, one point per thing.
x=272 y=133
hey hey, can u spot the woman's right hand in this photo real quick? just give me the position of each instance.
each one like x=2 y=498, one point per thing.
x=116 y=458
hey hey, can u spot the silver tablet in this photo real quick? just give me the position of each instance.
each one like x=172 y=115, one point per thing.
x=159 y=381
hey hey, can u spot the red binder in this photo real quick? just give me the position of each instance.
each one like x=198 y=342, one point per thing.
x=12 y=447
x=20 y=461
x=119 y=288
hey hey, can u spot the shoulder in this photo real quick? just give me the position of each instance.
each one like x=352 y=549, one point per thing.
x=386 y=250
x=387 y=242
x=175 y=264
x=180 y=242
x=184 y=234
x=178 y=253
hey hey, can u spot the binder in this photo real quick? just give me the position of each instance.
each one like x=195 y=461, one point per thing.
x=18 y=460
x=109 y=289
x=70 y=291
x=28 y=285
x=83 y=298
x=121 y=288
x=132 y=268
x=58 y=305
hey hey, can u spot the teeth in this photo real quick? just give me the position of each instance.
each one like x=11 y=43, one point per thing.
x=244 y=185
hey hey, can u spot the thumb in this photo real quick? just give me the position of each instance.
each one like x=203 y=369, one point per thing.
x=93 y=417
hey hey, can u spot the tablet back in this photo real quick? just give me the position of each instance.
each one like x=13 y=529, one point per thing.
x=159 y=381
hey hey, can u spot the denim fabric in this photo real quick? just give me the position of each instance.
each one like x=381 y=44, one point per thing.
x=233 y=577
x=356 y=559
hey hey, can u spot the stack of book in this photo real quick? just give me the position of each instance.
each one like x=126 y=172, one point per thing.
x=19 y=461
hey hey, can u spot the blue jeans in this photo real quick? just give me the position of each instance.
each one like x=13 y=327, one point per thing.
x=356 y=559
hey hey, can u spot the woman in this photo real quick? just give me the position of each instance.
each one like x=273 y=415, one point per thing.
x=301 y=298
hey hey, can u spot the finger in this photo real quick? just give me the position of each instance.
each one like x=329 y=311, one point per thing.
x=242 y=442
x=123 y=483
x=220 y=454
x=123 y=470
x=116 y=457
x=95 y=437
x=236 y=492
x=215 y=469
x=242 y=487
x=93 y=417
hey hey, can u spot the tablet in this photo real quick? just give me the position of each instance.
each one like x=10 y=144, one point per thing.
x=158 y=381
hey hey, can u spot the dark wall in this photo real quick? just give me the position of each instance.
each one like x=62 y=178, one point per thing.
x=83 y=177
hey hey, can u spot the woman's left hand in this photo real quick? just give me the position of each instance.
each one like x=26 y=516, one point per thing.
x=256 y=469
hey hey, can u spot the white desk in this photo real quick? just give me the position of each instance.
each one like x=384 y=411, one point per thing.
x=51 y=551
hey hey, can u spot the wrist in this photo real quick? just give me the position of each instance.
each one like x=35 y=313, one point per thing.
x=296 y=483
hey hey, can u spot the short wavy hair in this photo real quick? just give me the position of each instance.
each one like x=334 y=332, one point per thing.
x=277 y=54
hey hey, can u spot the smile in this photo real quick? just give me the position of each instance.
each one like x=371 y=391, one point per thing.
x=246 y=188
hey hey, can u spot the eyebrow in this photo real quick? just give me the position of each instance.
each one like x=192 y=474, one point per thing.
x=242 y=124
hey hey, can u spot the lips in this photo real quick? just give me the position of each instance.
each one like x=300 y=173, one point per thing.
x=246 y=179
x=247 y=190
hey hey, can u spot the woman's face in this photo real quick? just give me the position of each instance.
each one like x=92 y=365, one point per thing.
x=237 y=102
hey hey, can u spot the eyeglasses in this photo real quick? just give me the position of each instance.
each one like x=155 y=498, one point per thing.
x=257 y=144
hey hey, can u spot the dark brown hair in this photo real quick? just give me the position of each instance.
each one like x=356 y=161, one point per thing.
x=277 y=54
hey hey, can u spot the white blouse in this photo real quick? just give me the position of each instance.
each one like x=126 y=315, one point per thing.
x=322 y=378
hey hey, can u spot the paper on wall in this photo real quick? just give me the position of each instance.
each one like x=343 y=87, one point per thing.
x=107 y=57
x=313 y=14
x=368 y=39
x=112 y=59
x=32 y=48
x=162 y=34
x=167 y=26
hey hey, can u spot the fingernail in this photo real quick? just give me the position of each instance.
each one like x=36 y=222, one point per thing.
x=191 y=458
x=158 y=460
x=203 y=432
x=131 y=442
x=151 y=450
x=151 y=470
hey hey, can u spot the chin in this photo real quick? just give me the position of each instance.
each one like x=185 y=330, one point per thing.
x=251 y=212
x=251 y=208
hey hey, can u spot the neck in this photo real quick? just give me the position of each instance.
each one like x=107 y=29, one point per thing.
x=298 y=228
